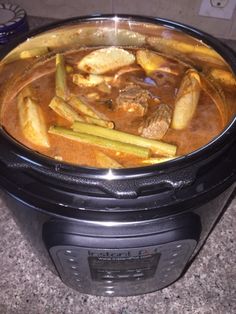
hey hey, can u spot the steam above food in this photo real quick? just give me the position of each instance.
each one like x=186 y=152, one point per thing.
x=137 y=100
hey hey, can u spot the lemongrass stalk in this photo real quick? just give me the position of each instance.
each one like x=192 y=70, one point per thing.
x=104 y=123
x=80 y=105
x=90 y=115
x=156 y=147
x=64 y=110
x=61 y=85
x=100 y=142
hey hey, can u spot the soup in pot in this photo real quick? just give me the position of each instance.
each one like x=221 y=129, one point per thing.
x=141 y=100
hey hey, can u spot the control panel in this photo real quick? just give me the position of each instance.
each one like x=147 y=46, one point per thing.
x=122 y=272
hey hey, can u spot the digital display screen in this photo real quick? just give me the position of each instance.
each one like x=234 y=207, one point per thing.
x=120 y=269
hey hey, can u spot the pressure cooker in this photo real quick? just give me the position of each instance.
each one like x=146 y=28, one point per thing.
x=119 y=232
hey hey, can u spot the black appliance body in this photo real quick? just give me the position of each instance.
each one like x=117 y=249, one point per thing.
x=120 y=232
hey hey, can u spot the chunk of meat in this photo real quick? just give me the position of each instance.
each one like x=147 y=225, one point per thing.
x=133 y=99
x=157 y=124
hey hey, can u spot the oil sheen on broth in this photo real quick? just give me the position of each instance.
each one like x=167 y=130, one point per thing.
x=84 y=105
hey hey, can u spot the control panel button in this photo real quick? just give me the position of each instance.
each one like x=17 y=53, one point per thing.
x=130 y=271
x=106 y=276
x=70 y=253
x=110 y=292
x=74 y=267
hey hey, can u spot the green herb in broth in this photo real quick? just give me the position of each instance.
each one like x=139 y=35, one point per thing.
x=61 y=84
x=130 y=149
x=156 y=146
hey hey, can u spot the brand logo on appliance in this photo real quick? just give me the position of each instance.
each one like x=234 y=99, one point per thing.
x=123 y=255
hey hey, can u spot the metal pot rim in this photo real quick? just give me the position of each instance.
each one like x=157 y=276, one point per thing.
x=29 y=156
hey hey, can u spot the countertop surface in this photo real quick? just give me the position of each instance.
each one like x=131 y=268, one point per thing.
x=209 y=286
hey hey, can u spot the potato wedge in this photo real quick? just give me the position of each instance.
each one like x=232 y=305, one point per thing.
x=26 y=54
x=106 y=59
x=186 y=100
x=32 y=120
x=104 y=161
x=100 y=122
x=157 y=160
x=223 y=77
x=151 y=61
x=90 y=80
